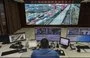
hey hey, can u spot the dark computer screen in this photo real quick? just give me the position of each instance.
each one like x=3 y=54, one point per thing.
x=4 y=39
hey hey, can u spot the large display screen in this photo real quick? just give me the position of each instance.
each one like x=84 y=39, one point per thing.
x=79 y=34
x=51 y=33
x=52 y=14
x=83 y=38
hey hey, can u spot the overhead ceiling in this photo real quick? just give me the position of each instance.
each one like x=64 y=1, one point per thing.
x=61 y=1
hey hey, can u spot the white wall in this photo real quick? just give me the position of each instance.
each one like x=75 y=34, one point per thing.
x=30 y=32
x=63 y=32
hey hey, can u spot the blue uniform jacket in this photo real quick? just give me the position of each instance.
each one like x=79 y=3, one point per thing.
x=44 y=53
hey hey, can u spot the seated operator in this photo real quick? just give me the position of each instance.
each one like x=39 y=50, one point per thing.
x=44 y=51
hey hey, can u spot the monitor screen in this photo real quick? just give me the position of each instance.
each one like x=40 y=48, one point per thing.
x=64 y=41
x=51 y=33
x=83 y=38
x=79 y=34
x=52 y=14
x=17 y=37
x=4 y=39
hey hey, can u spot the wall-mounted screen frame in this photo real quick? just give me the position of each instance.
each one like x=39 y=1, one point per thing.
x=47 y=17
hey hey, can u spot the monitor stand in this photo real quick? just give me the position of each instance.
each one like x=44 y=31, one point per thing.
x=63 y=46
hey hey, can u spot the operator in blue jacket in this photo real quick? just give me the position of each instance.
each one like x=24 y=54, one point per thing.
x=44 y=51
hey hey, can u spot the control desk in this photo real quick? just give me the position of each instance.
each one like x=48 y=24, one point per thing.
x=69 y=53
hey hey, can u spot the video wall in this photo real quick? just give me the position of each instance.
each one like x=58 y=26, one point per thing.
x=52 y=14
x=79 y=34
x=51 y=33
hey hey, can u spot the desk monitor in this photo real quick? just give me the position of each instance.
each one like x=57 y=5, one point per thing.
x=83 y=38
x=51 y=33
x=79 y=38
x=4 y=39
x=17 y=37
x=64 y=42
x=81 y=34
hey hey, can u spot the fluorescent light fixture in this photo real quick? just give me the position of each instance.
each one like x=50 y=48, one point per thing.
x=21 y=1
x=86 y=1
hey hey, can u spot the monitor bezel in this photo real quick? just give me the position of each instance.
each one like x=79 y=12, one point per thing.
x=65 y=39
x=19 y=35
x=46 y=34
x=61 y=25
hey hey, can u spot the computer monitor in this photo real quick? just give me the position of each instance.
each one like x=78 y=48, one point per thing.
x=17 y=37
x=51 y=33
x=79 y=34
x=83 y=38
x=64 y=42
x=4 y=39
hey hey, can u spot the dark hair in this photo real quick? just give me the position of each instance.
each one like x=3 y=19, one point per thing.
x=44 y=43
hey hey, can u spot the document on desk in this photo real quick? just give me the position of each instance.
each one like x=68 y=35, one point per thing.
x=32 y=44
x=82 y=50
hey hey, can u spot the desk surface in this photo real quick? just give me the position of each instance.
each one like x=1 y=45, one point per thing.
x=6 y=48
x=68 y=53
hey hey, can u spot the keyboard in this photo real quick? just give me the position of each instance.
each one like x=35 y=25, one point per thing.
x=9 y=52
x=83 y=47
x=13 y=51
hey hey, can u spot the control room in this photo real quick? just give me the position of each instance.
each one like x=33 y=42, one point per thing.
x=45 y=28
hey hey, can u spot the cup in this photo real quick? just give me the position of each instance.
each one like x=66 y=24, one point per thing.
x=0 y=44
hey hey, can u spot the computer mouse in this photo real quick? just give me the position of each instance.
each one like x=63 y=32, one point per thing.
x=61 y=51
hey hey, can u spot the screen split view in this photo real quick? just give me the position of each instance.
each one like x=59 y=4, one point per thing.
x=74 y=34
x=52 y=14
